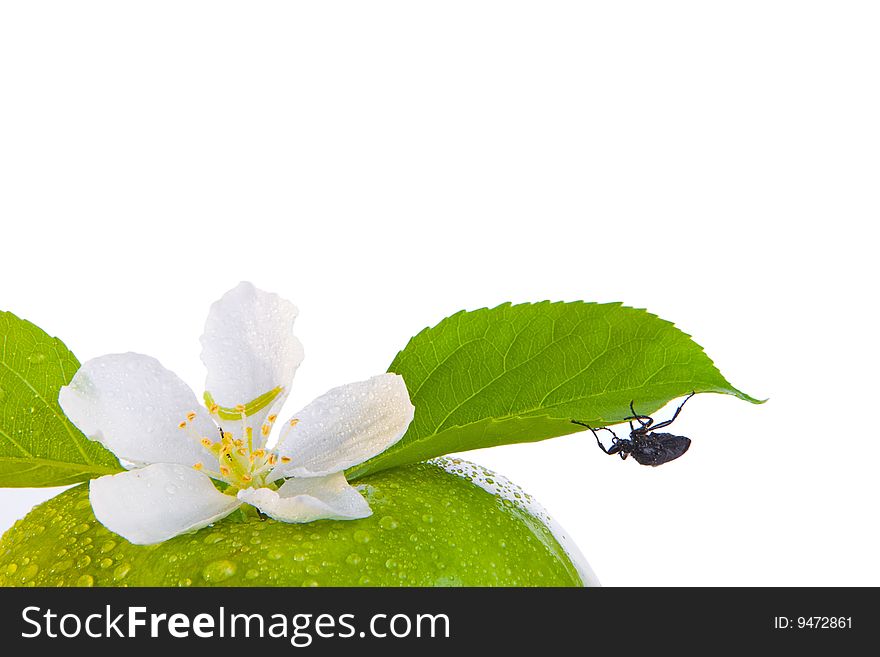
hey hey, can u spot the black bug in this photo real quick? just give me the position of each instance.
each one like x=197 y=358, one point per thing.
x=646 y=447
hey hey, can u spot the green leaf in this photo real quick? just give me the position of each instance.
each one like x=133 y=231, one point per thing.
x=39 y=446
x=521 y=373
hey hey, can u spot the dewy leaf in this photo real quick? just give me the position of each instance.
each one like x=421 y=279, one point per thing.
x=39 y=446
x=521 y=373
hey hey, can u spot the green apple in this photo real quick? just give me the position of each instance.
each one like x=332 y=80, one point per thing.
x=444 y=523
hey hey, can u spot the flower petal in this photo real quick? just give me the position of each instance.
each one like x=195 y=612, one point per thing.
x=249 y=349
x=158 y=502
x=305 y=500
x=344 y=427
x=134 y=406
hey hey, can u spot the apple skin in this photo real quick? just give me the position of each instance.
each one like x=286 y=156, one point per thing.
x=433 y=524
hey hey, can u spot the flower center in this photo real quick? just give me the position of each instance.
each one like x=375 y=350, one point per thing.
x=242 y=460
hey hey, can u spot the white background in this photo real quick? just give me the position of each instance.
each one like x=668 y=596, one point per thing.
x=386 y=164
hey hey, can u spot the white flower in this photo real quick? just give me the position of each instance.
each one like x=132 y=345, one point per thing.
x=174 y=448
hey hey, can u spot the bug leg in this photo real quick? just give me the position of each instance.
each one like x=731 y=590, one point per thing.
x=675 y=415
x=614 y=440
x=599 y=442
x=644 y=420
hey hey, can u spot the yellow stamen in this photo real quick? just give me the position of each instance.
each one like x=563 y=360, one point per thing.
x=182 y=425
x=240 y=464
